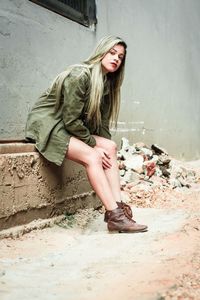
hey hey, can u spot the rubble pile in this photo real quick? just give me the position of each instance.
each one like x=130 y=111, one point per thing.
x=146 y=170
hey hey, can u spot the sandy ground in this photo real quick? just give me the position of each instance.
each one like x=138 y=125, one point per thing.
x=79 y=260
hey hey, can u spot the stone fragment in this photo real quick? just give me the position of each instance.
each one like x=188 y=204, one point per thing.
x=130 y=176
x=175 y=183
x=183 y=182
x=121 y=165
x=150 y=168
x=122 y=172
x=164 y=160
x=127 y=176
x=125 y=143
x=158 y=150
x=155 y=158
x=131 y=184
x=164 y=171
x=158 y=171
x=147 y=152
x=125 y=154
x=158 y=181
x=135 y=163
x=140 y=145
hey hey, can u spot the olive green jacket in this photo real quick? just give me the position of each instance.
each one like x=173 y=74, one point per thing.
x=51 y=130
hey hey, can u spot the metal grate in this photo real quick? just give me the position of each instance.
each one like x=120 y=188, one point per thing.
x=81 y=11
x=77 y=5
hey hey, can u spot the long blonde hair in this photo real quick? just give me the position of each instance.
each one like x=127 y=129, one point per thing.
x=114 y=79
x=92 y=66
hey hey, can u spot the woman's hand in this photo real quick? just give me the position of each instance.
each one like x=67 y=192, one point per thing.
x=105 y=157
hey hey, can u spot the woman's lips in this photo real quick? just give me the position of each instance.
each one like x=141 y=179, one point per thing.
x=113 y=64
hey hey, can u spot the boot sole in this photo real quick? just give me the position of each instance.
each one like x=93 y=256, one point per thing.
x=124 y=231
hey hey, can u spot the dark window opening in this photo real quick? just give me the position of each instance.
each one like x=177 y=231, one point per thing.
x=81 y=11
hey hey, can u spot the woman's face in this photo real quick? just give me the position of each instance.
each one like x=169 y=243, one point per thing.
x=113 y=59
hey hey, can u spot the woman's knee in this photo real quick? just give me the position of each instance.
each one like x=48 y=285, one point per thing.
x=111 y=147
x=82 y=153
x=107 y=144
x=94 y=159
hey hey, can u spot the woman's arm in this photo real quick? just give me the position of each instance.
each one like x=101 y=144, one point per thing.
x=74 y=90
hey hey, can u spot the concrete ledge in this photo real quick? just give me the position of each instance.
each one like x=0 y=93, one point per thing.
x=32 y=188
x=16 y=147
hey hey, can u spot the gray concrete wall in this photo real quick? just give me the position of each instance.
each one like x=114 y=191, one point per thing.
x=160 y=96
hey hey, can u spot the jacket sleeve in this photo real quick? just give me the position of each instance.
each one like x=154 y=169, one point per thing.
x=75 y=87
x=104 y=128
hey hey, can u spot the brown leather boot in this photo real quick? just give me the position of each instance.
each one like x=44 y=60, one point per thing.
x=118 y=221
x=126 y=208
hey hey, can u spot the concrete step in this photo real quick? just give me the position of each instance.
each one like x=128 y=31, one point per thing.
x=32 y=188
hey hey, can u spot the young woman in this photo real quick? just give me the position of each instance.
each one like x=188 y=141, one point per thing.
x=72 y=118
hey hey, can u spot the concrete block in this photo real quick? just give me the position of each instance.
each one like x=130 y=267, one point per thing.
x=33 y=188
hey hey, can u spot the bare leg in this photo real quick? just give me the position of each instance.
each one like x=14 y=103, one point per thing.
x=90 y=158
x=112 y=173
x=101 y=167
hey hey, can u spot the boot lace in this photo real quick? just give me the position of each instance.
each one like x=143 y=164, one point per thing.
x=126 y=213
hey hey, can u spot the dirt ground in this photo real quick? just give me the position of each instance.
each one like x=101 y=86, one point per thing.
x=77 y=259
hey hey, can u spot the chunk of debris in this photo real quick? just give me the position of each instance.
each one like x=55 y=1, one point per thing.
x=150 y=168
x=135 y=163
x=158 y=150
